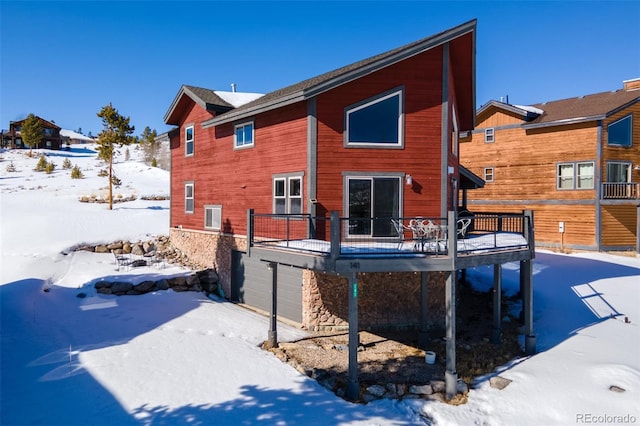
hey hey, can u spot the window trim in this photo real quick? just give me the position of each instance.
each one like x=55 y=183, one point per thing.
x=492 y=172
x=287 y=197
x=216 y=210
x=575 y=186
x=187 y=198
x=191 y=141
x=489 y=135
x=630 y=118
x=235 y=134
x=350 y=109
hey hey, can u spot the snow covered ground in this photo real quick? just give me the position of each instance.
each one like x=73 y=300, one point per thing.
x=181 y=358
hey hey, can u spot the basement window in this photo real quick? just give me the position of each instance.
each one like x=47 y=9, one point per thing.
x=213 y=217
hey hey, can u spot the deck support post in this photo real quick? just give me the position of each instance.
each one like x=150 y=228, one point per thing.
x=451 y=376
x=353 y=387
x=526 y=277
x=497 y=304
x=423 y=336
x=272 y=341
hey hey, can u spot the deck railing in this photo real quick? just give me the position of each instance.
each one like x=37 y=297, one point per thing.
x=377 y=236
x=621 y=191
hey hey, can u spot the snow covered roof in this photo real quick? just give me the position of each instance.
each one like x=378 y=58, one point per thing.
x=237 y=99
x=75 y=135
x=530 y=108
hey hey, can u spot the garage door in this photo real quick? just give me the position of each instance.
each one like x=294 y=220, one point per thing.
x=251 y=285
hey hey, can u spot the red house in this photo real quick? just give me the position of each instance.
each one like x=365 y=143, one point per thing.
x=374 y=140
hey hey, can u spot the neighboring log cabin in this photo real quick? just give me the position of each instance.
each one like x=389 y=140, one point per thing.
x=50 y=132
x=574 y=162
x=308 y=197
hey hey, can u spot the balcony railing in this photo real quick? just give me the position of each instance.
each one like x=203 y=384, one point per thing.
x=621 y=191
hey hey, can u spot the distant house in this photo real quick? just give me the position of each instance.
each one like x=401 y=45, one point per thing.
x=574 y=162
x=69 y=137
x=13 y=138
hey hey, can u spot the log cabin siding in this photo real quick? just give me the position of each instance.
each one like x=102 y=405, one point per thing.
x=420 y=156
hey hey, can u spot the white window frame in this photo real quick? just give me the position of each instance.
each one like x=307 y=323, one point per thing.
x=399 y=92
x=189 y=141
x=489 y=135
x=288 y=198
x=236 y=145
x=188 y=198
x=214 y=212
x=489 y=174
x=575 y=176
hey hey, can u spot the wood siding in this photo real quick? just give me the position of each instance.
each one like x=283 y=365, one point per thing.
x=619 y=225
x=617 y=153
x=421 y=77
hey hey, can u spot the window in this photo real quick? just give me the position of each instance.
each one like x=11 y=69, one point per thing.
x=575 y=175
x=371 y=203
x=49 y=144
x=188 y=198
x=619 y=132
x=488 y=174
x=213 y=217
x=489 y=135
x=618 y=172
x=188 y=141
x=243 y=136
x=375 y=122
x=48 y=131
x=287 y=194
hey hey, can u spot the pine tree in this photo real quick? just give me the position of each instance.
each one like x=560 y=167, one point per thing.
x=149 y=144
x=32 y=133
x=116 y=132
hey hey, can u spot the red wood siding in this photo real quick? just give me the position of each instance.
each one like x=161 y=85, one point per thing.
x=420 y=157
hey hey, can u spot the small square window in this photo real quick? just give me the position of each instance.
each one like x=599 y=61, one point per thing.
x=489 y=136
x=189 y=141
x=488 y=174
x=213 y=217
x=243 y=136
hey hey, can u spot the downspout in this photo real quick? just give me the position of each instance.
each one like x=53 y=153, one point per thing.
x=598 y=185
x=444 y=133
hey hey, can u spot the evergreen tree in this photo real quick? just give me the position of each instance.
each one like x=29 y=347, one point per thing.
x=149 y=144
x=32 y=133
x=116 y=133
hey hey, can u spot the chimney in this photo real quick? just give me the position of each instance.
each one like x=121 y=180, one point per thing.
x=233 y=87
x=633 y=84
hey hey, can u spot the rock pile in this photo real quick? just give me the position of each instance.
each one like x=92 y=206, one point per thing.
x=202 y=281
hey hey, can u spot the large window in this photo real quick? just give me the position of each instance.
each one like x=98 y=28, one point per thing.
x=577 y=175
x=287 y=194
x=189 y=198
x=376 y=122
x=618 y=172
x=372 y=202
x=213 y=217
x=619 y=132
x=243 y=136
x=189 y=141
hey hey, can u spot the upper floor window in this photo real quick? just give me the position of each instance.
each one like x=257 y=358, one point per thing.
x=618 y=171
x=243 y=136
x=189 y=198
x=189 y=140
x=376 y=122
x=575 y=175
x=489 y=135
x=287 y=195
x=213 y=217
x=48 y=131
x=619 y=132
x=488 y=174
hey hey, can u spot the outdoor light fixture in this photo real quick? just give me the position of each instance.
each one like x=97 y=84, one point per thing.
x=408 y=179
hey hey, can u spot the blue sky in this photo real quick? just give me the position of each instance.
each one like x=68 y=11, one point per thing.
x=63 y=61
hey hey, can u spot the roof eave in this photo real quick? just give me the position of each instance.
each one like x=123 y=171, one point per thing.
x=564 y=122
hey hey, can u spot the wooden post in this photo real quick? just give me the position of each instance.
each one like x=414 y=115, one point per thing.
x=353 y=387
x=450 y=375
x=497 y=304
x=526 y=274
x=272 y=341
x=335 y=235
x=423 y=336
x=250 y=230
